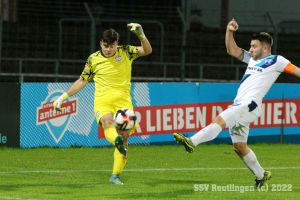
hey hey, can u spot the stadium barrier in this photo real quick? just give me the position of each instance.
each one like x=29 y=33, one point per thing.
x=10 y=114
x=161 y=109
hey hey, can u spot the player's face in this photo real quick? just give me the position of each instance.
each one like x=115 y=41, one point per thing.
x=109 y=50
x=256 y=50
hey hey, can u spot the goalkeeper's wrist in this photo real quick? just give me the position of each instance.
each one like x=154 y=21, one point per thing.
x=142 y=37
x=64 y=96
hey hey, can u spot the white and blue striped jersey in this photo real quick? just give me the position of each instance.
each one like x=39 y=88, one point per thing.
x=260 y=75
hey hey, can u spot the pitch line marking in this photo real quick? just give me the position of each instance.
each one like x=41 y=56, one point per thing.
x=16 y=198
x=139 y=170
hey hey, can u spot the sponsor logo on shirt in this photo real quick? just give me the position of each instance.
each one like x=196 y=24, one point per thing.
x=257 y=69
x=268 y=61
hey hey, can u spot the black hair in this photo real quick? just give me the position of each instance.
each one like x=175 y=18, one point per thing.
x=110 y=36
x=263 y=37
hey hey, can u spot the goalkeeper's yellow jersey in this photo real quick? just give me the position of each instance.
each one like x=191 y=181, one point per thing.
x=113 y=74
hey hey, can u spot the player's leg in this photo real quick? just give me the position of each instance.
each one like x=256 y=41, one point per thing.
x=112 y=136
x=249 y=158
x=239 y=136
x=109 y=129
x=206 y=134
x=111 y=133
x=104 y=116
x=104 y=111
x=210 y=132
x=119 y=160
x=124 y=101
x=247 y=155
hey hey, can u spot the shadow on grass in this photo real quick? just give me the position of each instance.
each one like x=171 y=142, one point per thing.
x=21 y=186
x=155 y=183
x=153 y=195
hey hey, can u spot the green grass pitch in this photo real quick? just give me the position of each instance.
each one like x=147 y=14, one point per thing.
x=152 y=172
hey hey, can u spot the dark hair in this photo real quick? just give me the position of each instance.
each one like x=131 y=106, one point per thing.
x=110 y=36
x=263 y=37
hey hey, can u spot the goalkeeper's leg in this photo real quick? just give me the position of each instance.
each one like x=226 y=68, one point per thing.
x=119 y=161
x=120 y=141
x=111 y=134
x=110 y=131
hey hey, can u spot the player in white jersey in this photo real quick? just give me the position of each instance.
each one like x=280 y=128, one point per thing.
x=262 y=71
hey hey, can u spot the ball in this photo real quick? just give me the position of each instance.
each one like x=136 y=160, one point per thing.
x=124 y=119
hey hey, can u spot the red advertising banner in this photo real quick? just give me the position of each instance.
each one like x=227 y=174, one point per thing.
x=183 y=118
x=46 y=112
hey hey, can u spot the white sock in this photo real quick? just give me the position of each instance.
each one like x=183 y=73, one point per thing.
x=206 y=134
x=252 y=163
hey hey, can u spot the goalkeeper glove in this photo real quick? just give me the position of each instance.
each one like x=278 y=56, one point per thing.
x=59 y=101
x=137 y=29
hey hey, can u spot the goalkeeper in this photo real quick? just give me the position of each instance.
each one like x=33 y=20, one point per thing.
x=110 y=67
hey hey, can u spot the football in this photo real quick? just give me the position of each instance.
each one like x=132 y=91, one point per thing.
x=124 y=119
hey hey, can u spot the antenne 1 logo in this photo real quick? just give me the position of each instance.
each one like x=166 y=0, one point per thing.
x=57 y=123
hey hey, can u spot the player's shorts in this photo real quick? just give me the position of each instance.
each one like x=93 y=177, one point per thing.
x=111 y=103
x=239 y=116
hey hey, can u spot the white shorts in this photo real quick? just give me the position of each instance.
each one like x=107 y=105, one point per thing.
x=239 y=116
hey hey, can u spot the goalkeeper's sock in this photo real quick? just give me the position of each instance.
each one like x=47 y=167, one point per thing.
x=132 y=130
x=206 y=134
x=252 y=163
x=119 y=162
x=110 y=133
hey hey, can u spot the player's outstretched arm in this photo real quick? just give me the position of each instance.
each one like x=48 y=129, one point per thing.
x=231 y=46
x=76 y=87
x=296 y=72
x=145 y=48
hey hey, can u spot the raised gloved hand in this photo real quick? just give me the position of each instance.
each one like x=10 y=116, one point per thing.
x=137 y=29
x=59 y=101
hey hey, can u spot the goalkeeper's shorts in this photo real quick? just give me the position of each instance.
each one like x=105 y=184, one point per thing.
x=111 y=103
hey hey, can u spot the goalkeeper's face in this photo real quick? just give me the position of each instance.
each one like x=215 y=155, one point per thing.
x=108 y=50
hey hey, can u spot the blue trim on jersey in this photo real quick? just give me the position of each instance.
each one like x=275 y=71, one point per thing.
x=267 y=62
x=244 y=78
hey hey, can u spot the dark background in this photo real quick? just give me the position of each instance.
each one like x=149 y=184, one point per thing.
x=10 y=114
